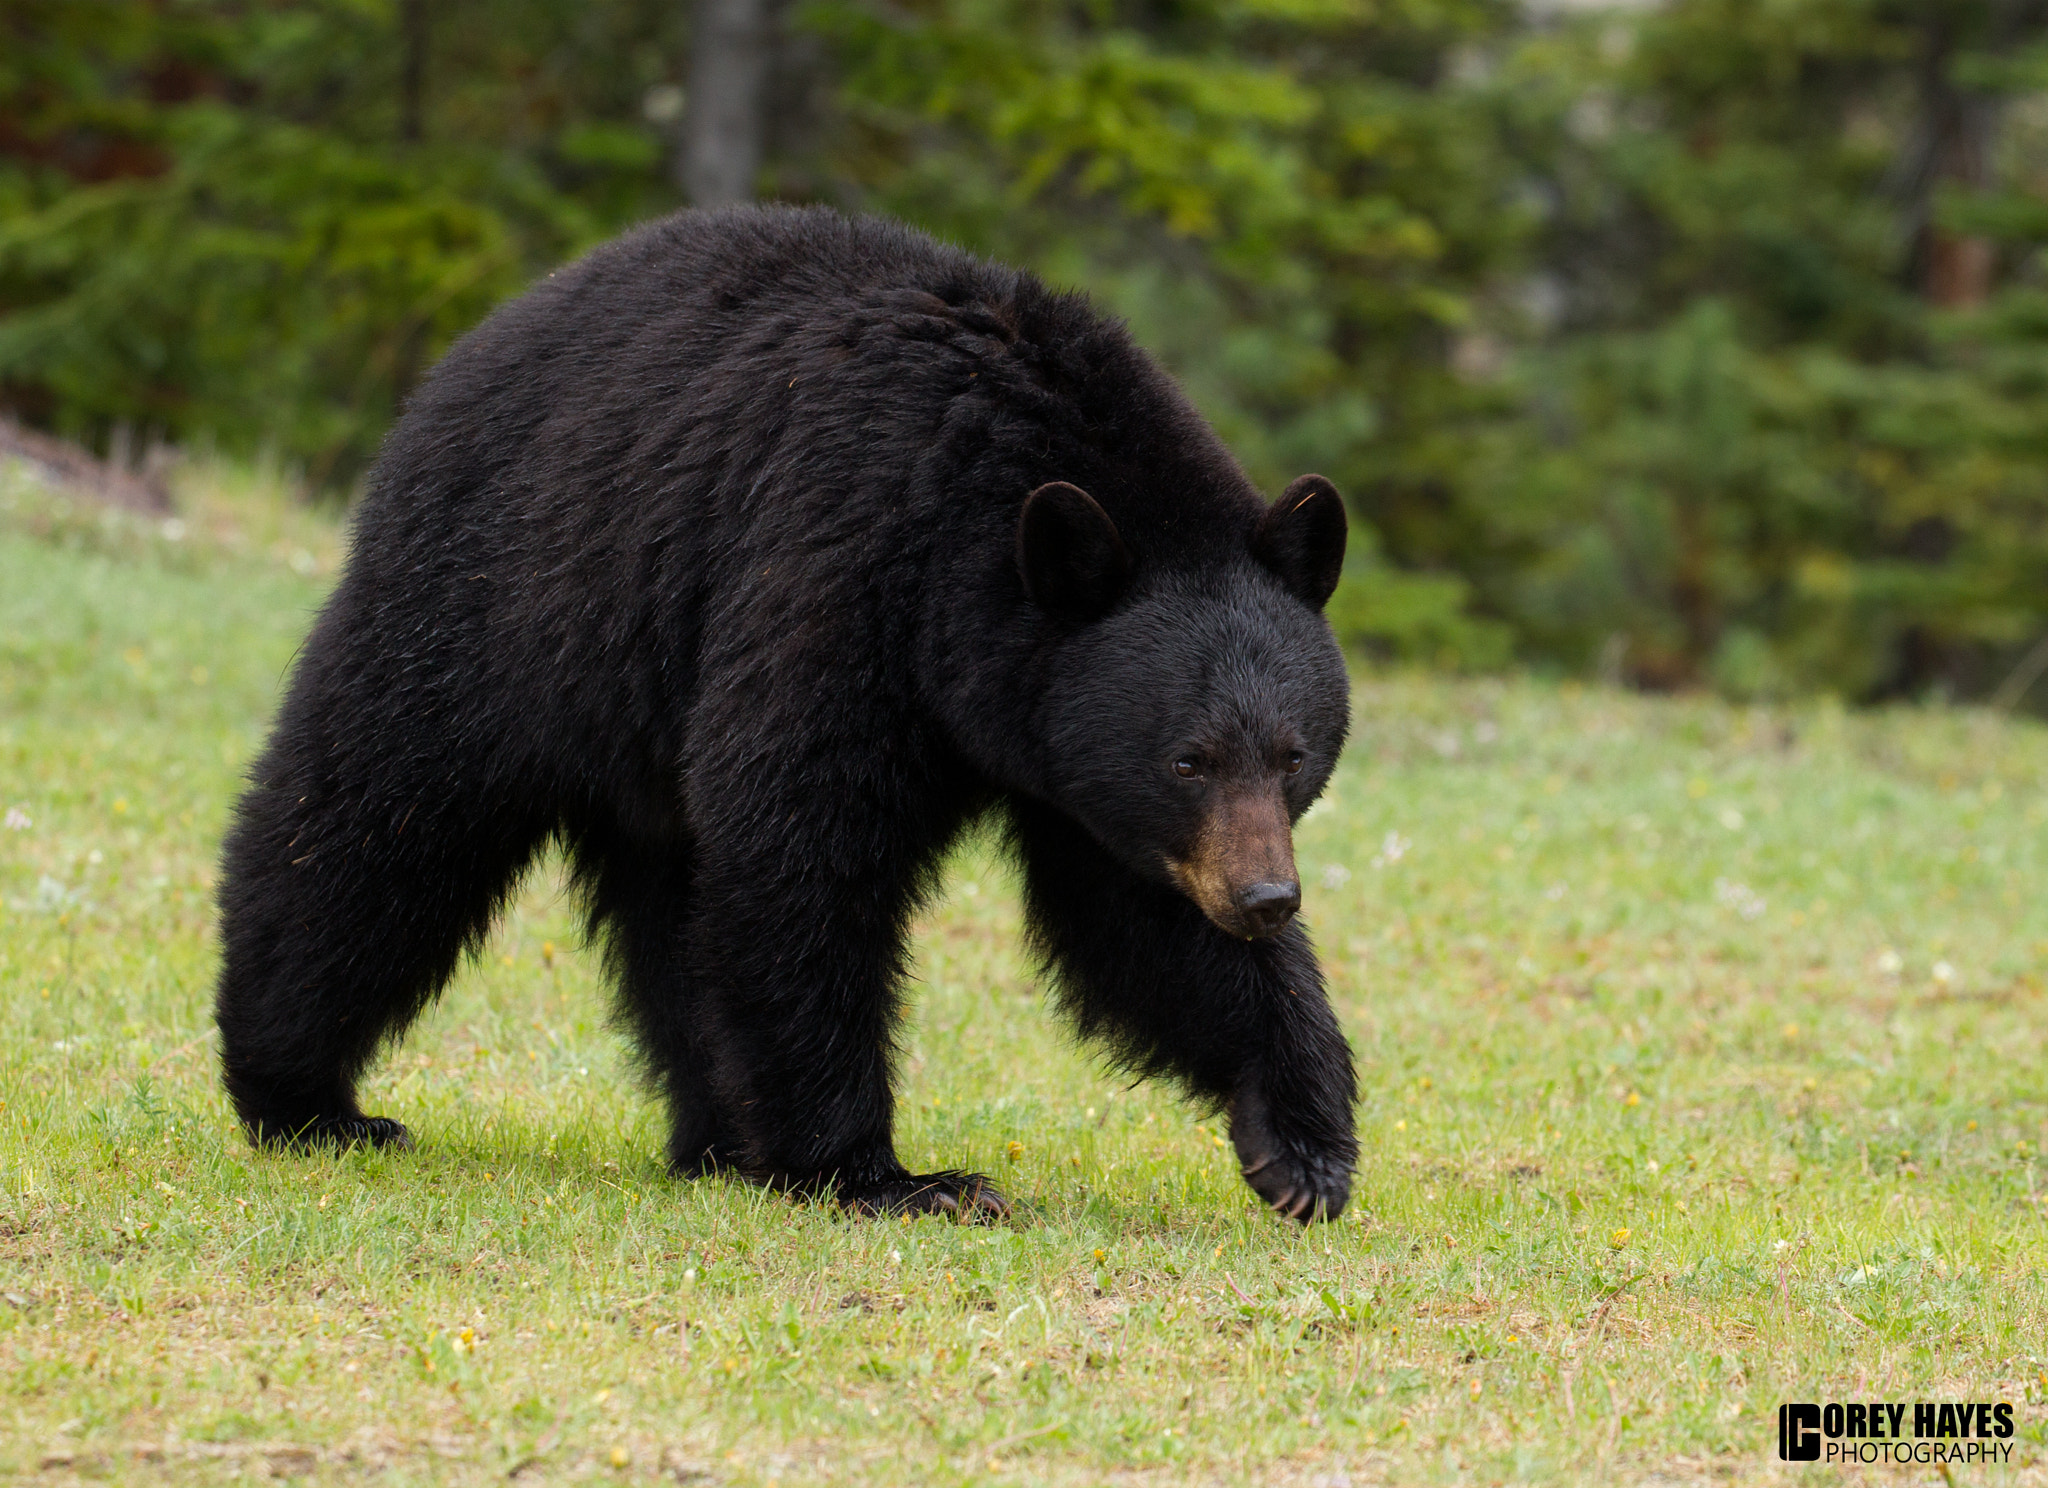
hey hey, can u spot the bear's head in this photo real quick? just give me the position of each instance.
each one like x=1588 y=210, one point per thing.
x=1194 y=713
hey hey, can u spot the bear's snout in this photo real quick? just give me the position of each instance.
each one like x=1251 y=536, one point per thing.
x=1240 y=868
x=1267 y=907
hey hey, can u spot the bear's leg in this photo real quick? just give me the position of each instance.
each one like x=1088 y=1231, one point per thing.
x=641 y=895
x=342 y=913
x=796 y=940
x=1243 y=1023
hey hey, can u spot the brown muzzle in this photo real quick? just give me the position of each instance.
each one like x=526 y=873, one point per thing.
x=1241 y=868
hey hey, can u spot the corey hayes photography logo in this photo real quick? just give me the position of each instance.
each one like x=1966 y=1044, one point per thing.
x=1876 y=1431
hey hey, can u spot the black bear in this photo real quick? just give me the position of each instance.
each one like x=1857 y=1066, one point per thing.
x=752 y=557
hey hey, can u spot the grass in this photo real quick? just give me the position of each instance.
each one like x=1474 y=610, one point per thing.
x=1701 y=1066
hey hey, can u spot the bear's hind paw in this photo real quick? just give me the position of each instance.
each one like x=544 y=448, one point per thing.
x=965 y=1196
x=350 y=1131
x=715 y=1161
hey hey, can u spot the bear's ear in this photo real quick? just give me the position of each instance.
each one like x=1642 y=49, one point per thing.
x=1073 y=562
x=1301 y=538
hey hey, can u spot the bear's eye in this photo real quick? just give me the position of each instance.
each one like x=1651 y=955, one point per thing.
x=1294 y=758
x=1186 y=768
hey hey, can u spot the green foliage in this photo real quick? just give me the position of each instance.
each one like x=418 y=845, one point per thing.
x=1419 y=619
x=1704 y=343
x=253 y=286
x=211 y=226
x=1782 y=521
x=1750 y=451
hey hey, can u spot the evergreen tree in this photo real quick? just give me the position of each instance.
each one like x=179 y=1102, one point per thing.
x=1704 y=342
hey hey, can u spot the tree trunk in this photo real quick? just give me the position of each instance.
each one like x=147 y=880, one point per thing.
x=1957 y=135
x=412 y=75
x=725 y=119
x=1955 y=270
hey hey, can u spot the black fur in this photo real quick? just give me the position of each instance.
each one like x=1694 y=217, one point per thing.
x=707 y=557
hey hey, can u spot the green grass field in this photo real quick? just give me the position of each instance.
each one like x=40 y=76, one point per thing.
x=1701 y=1069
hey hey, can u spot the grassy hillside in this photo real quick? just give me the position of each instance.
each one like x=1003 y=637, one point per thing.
x=1702 y=1069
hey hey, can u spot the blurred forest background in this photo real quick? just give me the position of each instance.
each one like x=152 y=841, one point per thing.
x=1698 y=343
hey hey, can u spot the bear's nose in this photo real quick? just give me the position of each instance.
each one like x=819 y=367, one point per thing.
x=1267 y=907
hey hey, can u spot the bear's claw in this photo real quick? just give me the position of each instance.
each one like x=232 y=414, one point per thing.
x=1300 y=1188
x=965 y=1196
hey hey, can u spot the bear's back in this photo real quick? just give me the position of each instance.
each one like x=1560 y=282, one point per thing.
x=689 y=347
x=700 y=303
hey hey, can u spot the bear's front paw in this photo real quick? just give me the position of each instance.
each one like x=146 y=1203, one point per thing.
x=966 y=1196
x=1297 y=1178
x=1298 y=1186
